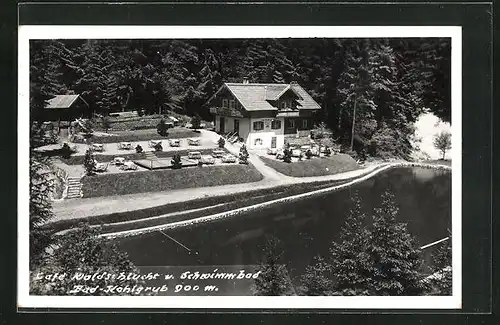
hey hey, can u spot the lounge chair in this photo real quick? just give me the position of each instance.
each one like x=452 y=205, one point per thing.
x=174 y=142
x=194 y=142
x=98 y=147
x=207 y=160
x=194 y=155
x=218 y=153
x=124 y=145
x=129 y=165
x=228 y=158
x=101 y=167
x=153 y=143
x=118 y=161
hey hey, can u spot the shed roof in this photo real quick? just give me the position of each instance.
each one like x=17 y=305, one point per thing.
x=62 y=101
x=257 y=96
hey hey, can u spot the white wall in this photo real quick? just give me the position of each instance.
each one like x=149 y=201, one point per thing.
x=266 y=134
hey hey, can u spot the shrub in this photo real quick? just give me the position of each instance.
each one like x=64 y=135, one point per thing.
x=176 y=162
x=287 y=154
x=309 y=154
x=140 y=112
x=221 y=142
x=106 y=124
x=243 y=157
x=196 y=122
x=162 y=128
x=200 y=163
x=66 y=151
x=328 y=152
x=158 y=147
x=89 y=162
x=138 y=149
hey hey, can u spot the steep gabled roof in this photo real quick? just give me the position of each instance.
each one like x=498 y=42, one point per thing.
x=62 y=101
x=256 y=96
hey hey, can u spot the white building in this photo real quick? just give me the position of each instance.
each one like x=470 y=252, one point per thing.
x=263 y=115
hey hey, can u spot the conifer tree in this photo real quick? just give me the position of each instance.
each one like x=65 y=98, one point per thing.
x=243 y=156
x=394 y=257
x=273 y=279
x=40 y=206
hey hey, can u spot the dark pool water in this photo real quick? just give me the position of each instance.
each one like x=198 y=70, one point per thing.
x=305 y=228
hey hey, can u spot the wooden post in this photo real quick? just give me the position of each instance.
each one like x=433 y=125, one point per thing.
x=353 y=121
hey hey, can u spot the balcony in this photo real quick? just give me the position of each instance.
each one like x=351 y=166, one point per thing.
x=225 y=111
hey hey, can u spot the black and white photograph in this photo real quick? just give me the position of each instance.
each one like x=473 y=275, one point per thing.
x=208 y=167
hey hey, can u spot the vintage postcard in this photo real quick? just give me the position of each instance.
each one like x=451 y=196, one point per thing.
x=218 y=167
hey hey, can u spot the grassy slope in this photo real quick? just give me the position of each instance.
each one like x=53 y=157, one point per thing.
x=315 y=166
x=163 y=180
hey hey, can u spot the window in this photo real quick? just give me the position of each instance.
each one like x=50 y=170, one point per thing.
x=283 y=105
x=291 y=123
x=224 y=103
x=304 y=124
x=231 y=103
x=257 y=126
x=276 y=125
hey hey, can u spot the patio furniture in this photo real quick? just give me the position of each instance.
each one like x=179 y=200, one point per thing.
x=194 y=155
x=207 y=160
x=124 y=145
x=218 y=153
x=174 y=142
x=228 y=158
x=98 y=147
x=194 y=142
x=280 y=154
x=297 y=153
x=153 y=143
x=129 y=165
x=118 y=161
x=272 y=151
x=101 y=167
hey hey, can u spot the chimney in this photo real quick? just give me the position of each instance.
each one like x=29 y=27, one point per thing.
x=245 y=80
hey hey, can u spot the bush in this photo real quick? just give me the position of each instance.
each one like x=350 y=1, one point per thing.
x=176 y=162
x=328 y=152
x=287 y=154
x=196 y=122
x=309 y=154
x=221 y=142
x=89 y=162
x=138 y=149
x=243 y=157
x=162 y=128
x=140 y=112
x=66 y=151
x=158 y=147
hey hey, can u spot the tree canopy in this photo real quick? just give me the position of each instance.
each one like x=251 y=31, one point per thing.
x=390 y=81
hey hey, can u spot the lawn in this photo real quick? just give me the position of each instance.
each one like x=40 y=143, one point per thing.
x=142 y=135
x=164 y=180
x=315 y=166
x=446 y=162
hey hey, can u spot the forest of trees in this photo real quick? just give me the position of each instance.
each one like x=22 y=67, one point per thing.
x=388 y=81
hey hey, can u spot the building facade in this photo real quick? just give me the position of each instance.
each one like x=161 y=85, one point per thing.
x=263 y=115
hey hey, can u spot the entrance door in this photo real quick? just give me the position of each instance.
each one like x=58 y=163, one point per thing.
x=237 y=126
x=221 y=125
x=273 y=142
